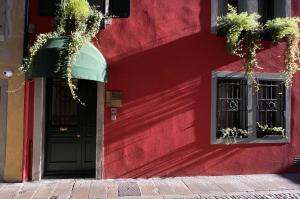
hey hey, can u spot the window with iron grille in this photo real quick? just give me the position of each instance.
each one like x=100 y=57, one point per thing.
x=231 y=105
x=270 y=108
x=113 y=8
x=64 y=110
x=266 y=10
x=234 y=3
x=241 y=113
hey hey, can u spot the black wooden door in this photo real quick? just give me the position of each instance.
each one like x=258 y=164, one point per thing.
x=70 y=128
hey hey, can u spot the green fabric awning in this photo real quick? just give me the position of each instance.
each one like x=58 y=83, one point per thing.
x=89 y=64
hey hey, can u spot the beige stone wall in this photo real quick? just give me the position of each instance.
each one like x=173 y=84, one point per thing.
x=11 y=54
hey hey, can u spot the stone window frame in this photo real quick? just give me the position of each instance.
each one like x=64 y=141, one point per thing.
x=282 y=8
x=251 y=106
x=3 y=124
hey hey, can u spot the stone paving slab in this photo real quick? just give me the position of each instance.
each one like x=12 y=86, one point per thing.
x=98 y=190
x=141 y=197
x=215 y=187
x=112 y=190
x=197 y=186
x=81 y=189
x=232 y=185
x=163 y=187
x=63 y=190
x=10 y=190
x=45 y=191
x=179 y=187
x=27 y=191
x=148 y=188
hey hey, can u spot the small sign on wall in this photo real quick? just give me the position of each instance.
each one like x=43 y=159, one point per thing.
x=113 y=114
x=114 y=99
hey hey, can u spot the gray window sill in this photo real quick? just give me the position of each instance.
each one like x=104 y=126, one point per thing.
x=252 y=140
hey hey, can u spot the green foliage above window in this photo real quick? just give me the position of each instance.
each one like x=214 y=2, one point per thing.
x=287 y=29
x=243 y=32
x=242 y=37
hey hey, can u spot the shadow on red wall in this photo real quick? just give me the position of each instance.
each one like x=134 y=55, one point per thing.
x=163 y=128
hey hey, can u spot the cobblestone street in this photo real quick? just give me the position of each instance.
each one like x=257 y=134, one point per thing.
x=236 y=187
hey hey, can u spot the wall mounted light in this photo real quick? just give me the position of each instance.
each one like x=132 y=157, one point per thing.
x=8 y=73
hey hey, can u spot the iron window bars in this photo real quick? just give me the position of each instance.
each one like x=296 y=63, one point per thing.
x=270 y=108
x=231 y=104
x=262 y=117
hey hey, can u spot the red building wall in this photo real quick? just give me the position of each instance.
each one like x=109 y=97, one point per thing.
x=162 y=58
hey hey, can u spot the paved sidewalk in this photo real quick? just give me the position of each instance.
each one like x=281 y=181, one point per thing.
x=222 y=187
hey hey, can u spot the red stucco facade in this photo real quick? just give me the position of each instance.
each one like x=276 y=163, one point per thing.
x=162 y=58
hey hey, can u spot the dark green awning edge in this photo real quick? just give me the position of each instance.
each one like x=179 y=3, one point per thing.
x=90 y=64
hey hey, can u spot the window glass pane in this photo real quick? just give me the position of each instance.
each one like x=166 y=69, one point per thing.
x=231 y=104
x=99 y=4
x=63 y=108
x=119 y=8
x=234 y=3
x=270 y=108
x=48 y=7
x=266 y=10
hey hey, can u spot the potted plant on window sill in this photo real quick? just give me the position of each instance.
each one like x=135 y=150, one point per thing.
x=264 y=131
x=230 y=135
x=76 y=25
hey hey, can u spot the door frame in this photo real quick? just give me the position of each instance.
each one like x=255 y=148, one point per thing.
x=39 y=137
x=3 y=125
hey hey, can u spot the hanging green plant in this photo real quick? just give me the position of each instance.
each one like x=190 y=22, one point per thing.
x=287 y=29
x=77 y=23
x=242 y=37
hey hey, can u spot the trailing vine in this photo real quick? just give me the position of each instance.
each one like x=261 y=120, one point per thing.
x=287 y=29
x=242 y=38
x=40 y=41
x=78 y=22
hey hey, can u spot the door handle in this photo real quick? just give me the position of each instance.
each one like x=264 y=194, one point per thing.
x=78 y=135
